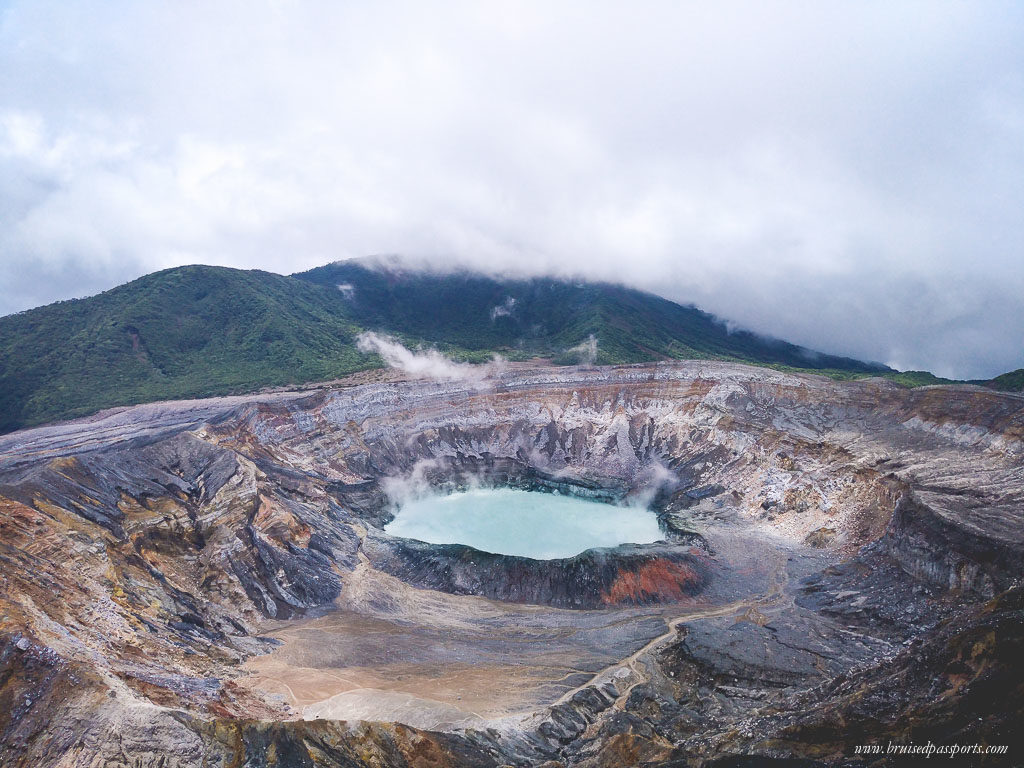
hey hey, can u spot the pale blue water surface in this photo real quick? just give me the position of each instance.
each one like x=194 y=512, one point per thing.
x=529 y=524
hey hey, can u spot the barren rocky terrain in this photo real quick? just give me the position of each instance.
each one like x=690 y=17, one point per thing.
x=208 y=582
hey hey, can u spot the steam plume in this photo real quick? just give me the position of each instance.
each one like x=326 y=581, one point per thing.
x=430 y=364
x=585 y=351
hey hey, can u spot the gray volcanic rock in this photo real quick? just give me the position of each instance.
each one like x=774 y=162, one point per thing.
x=626 y=575
x=939 y=549
x=829 y=548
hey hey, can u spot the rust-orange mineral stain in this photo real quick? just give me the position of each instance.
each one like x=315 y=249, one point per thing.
x=659 y=579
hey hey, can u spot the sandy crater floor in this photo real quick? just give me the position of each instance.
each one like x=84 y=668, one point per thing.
x=392 y=652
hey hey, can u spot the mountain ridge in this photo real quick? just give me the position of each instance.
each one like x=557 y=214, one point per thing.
x=198 y=331
x=479 y=312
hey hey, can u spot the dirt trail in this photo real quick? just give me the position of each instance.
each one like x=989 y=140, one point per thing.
x=771 y=598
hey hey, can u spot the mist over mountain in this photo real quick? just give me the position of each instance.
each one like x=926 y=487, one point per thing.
x=197 y=331
x=751 y=160
x=549 y=318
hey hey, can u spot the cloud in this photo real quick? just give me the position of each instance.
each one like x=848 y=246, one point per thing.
x=847 y=176
x=430 y=364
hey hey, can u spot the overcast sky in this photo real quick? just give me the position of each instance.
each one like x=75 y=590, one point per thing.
x=848 y=176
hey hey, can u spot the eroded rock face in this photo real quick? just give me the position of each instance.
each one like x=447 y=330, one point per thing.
x=626 y=575
x=816 y=533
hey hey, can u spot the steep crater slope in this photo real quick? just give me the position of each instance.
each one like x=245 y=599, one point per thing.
x=183 y=581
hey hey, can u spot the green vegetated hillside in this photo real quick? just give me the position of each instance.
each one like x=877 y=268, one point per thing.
x=201 y=331
x=1009 y=382
x=548 y=317
x=186 y=332
x=906 y=378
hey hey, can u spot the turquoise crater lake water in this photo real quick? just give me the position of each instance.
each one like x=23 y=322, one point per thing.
x=506 y=521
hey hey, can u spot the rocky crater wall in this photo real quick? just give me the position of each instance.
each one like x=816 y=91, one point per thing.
x=142 y=552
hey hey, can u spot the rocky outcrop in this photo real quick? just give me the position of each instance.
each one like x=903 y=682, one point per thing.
x=959 y=685
x=626 y=575
x=936 y=549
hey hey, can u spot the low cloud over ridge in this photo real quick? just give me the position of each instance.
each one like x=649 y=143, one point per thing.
x=846 y=176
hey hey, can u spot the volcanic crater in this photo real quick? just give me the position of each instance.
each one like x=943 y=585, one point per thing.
x=210 y=583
